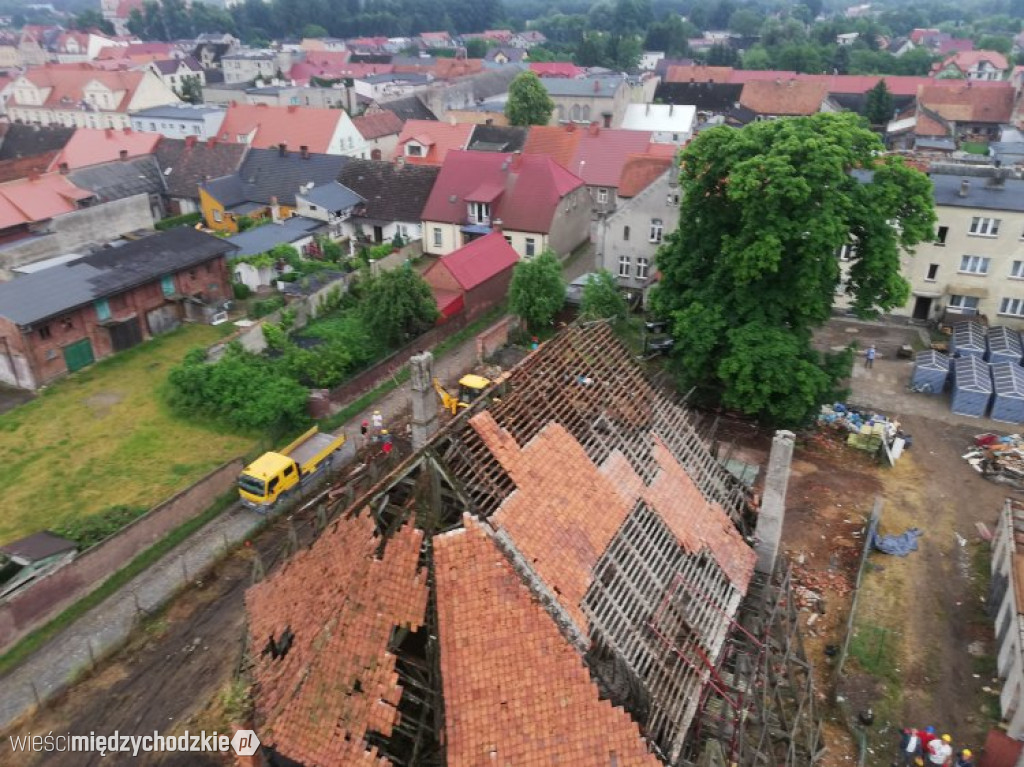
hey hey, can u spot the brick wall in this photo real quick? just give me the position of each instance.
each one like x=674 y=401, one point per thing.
x=47 y=597
x=495 y=337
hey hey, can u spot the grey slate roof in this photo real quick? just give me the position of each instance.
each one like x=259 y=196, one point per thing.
x=598 y=87
x=412 y=78
x=392 y=193
x=180 y=111
x=333 y=196
x=980 y=193
x=497 y=138
x=266 y=174
x=409 y=108
x=170 y=66
x=120 y=179
x=260 y=239
x=28 y=140
x=706 y=97
x=184 y=167
x=107 y=272
x=38 y=546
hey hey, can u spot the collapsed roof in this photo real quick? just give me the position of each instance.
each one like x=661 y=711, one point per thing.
x=556 y=577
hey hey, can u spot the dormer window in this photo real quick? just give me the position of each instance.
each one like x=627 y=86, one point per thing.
x=479 y=213
x=413 y=150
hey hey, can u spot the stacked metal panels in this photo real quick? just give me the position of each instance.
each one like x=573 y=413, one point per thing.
x=968 y=340
x=972 y=386
x=1003 y=345
x=1008 y=400
x=931 y=370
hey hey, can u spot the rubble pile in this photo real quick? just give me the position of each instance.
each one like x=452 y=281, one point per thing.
x=999 y=459
x=866 y=430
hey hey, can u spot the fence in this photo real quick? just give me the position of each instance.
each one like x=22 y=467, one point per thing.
x=47 y=597
x=869 y=536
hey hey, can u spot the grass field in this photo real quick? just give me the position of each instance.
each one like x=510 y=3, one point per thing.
x=104 y=437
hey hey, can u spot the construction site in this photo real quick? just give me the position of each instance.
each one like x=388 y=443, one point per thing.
x=563 y=573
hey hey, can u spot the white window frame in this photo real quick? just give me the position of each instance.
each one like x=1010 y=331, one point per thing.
x=1017 y=270
x=982 y=226
x=602 y=196
x=438 y=237
x=479 y=213
x=846 y=251
x=625 y=266
x=1011 y=307
x=530 y=248
x=409 y=150
x=959 y=303
x=974 y=265
x=643 y=266
x=657 y=232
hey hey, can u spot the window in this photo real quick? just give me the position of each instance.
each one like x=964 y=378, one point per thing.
x=167 y=285
x=963 y=304
x=1017 y=270
x=672 y=198
x=191 y=274
x=657 y=228
x=625 y=233
x=102 y=310
x=933 y=272
x=974 y=264
x=479 y=213
x=984 y=227
x=846 y=252
x=413 y=150
x=218 y=216
x=437 y=237
x=531 y=246
x=940 y=237
x=602 y=195
x=641 y=268
x=44 y=331
x=1012 y=306
x=508 y=239
x=625 y=266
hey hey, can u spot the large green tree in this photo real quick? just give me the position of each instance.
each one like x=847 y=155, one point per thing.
x=537 y=290
x=752 y=269
x=528 y=101
x=878 y=107
x=398 y=305
x=602 y=299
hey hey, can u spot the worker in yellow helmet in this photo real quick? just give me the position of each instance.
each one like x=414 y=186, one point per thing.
x=965 y=758
x=940 y=751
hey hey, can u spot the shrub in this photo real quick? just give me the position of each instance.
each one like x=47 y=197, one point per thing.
x=189 y=219
x=89 y=531
x=240 y=291
x=267 y=306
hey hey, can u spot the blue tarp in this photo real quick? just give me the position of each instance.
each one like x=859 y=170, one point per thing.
x=898 y=545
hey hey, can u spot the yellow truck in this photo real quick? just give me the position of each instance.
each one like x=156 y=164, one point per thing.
x=264 y=481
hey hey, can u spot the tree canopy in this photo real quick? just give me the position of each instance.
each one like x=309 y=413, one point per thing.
x=602 y=299
x=878 y=107
x=537 y=290
x=398 y=305
x=528 y=101
x=752 y=270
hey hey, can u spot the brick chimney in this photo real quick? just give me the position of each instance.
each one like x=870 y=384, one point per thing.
x=123 y=154
x=63 y=168
x=282 y=149
x=593 y=129
x=190 y=141
x=305 y=151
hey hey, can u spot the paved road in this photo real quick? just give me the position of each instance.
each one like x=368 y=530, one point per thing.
x=109 y=624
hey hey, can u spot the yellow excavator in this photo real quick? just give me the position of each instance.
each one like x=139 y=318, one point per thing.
x=471 y=386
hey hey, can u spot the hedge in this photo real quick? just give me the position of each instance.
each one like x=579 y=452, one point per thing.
x=189 y=219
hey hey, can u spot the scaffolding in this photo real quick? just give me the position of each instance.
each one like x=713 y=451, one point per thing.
x=670 y=638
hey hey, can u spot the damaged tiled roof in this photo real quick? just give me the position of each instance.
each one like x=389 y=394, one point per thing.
x=640 y=171
x=964 y=102
x=793 y=97
x=564 y=512
x=379 y=124
x=337 y=682
x=516 y=693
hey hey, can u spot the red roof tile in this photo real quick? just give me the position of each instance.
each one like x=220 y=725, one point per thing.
x=23 y=167
x=383 y=123
x=92 y=146
x=962 y=101
x=964 y=60
x=38 y=198
x=595 y=154
x=556 y=69
x=639 y=172
x=556 y=141
x=791 y=97
x=516 y=693
x=439 y=137
x=292 y=125
x=338 y=681
x=65 y=84
x=477 y=262
x=533 y=186
x=698 y=73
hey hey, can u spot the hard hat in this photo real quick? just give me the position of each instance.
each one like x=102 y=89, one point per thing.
x=930 y=730
x=366 y=423
x=376 y=412
x=967 y=753
x=383 y=431
x=947 y=738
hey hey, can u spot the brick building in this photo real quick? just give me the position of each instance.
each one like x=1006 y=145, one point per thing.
x=473 y=278
x=60 y=318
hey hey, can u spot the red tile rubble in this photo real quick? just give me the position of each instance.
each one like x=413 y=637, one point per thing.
x=516 y=693
x=338 y=681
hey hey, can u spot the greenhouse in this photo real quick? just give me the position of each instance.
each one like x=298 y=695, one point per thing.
x=1003 y=345
x=968 y=340
x=1008 y=399
x=972 y=386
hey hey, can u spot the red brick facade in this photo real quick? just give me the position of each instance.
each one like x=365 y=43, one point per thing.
x=37 y=353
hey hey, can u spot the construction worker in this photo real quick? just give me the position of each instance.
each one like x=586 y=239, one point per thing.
x=386 y=437
x=940 y=751
x=965 y=758
x=910 y=746
x=378 y=424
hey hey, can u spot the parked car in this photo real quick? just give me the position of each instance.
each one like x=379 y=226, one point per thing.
x=574 y=290
x=660 y=344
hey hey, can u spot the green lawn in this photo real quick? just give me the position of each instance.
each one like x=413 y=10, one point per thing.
x=975 y=147
x=104 y=437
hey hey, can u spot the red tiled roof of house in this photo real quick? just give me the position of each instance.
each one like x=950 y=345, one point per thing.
x=533 y=186
x=383 y=123
x=475 y=263
x=92 y=146
x=148 y=51
x=66 y=84
x=964 y=60
x=23 y=167
x=304 y=71
x=39 y=198
x=639 y=172
x=442 y=138
x=556 y=69
x=698 y=73
x=593 y=153
x=439 y=36
x=337 y=681
x=918 y=34
x=954 y=44
x=516 y=693
x=792 y=97
x=449 y=69
x=292 y=125
x=963 y=101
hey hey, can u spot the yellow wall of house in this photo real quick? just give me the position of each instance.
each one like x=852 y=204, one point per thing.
x=214 y=215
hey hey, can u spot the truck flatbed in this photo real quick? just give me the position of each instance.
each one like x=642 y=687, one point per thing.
x=311 y=447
